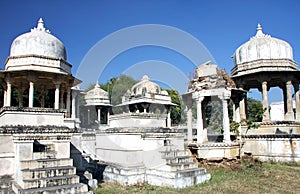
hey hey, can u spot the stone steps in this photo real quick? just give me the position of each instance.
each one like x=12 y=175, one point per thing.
x=178 y=159
x=48 y=172
x=73 y=188
x=43 y=163
x=50 y=181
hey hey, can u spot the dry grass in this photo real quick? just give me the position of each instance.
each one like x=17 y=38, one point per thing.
x=265 y=178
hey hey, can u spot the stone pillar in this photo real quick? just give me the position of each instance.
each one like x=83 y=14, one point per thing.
x=99 y=115
x=189 y=124
x=61 y=99
x=297 y=100
x=289 y=116
x=74 y=95
x=31 y=93
x=88 y=116
x=226 y=123
x=242 y=106
x=266 y=116
x=199 y=120
x=68 y=103
x=108 y=117
x=8 y=93
x=56 y=101
x=169 y=116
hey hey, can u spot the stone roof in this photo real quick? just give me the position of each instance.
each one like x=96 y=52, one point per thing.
x=38 y=50
x=38 y=41
x=97 y=97
x=263 y=46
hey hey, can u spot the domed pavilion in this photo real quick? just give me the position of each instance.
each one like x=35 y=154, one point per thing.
x=264 y=62
x=37 y=69
x=140 y=105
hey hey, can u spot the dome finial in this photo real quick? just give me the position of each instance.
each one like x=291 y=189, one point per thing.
x=40 y=25
x=259 y=32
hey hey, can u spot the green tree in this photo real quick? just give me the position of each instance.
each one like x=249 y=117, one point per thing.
x=255 y=110
x=117 y=87
x=176 y=111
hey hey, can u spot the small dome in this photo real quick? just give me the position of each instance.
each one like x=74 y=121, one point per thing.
x=97 y=96
x=38 y=42
x=145 y=86
x=263 y=46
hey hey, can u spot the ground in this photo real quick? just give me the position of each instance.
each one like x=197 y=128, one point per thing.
x=243 y=178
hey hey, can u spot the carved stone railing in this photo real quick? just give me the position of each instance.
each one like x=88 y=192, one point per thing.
x=33 y=109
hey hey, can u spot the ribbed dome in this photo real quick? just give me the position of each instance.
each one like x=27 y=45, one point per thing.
x=97 y=96
x=38 y=42
x=263 y=46
x=145 y=86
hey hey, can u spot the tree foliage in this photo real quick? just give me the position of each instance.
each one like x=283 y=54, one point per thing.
x=116 y=87
x=255 y=110
x=176 y=111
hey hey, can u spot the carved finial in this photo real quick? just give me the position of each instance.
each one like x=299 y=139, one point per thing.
x=40 y=26
x=97 y=84
x=145 y=78
x=259 y=32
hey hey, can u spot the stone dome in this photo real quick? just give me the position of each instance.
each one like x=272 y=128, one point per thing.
x=38 y=42
x=96 y=96
x=145 y=86
x=263 y=46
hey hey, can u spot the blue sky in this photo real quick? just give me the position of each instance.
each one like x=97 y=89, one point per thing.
x=221 y=26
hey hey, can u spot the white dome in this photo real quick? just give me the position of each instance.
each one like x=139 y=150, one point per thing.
x=96 y=96
x=145 y=86
x=38 y=42
x=263 y=46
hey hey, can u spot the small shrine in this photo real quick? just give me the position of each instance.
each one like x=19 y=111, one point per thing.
x=97 y=107
x=211 y=83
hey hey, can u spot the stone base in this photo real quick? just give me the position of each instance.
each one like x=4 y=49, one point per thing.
x=64 y=189
x=124 y=175
x=216 y=151
x=177 y=179
x=136 y=175
x=273 y=141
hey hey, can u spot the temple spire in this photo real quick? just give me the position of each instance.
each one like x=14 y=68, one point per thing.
x=40 y=25
x=259 y=32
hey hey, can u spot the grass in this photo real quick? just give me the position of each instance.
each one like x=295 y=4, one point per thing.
x=261 y=178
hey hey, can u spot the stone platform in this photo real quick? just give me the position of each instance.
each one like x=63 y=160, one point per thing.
x=216 y=150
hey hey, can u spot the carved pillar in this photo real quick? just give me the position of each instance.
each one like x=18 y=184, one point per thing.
x=199 y=120
x=31 y=93
x=56 y=101
x=297 y=101
x=61 y=99
x=242 y=106
x=88 y=115
x=99 y=115
x=289 y=116
x=189 y=123
x=8 y=93
x=68 y=103
x=226 y=123
x=266 y=116
x=108 y=117
x=74 y=95
x=168 y=116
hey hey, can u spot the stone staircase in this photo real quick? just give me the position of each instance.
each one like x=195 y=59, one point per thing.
x=46 y=174
x=179 y=171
